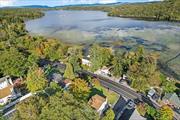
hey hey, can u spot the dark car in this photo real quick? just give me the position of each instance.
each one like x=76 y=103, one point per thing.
x=130 y=104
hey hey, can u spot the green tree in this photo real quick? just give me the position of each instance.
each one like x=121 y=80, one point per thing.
x=12 y=62
x=53 y=49
x=52 y=89
x=168 y=86
x=141 y=69
x=29 y=109
x=165 y=113
x=32 y=60
x=1 y=117
x=151 y=111
x=75 y=56
x=109 y=115
x=69 y=73
x=36 y=80
x=63 y=106
x=100 y=57
x=117 y=68
x=80 y=89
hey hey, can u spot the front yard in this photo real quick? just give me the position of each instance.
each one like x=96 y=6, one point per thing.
x=111 y=96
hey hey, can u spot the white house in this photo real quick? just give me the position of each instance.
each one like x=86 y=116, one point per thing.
x=104 y=71
x=86 y=62
x=6 y=90
x=99 y=103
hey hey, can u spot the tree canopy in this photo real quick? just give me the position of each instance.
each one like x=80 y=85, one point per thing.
x=109 y=115
x=165 y=113
x=60 y=106
x=36 y=80
x=69 y=71
x=80 y=89
x=13 y=62
x=75 y=56
x=99 y=57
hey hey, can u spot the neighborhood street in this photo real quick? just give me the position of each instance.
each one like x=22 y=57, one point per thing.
x=126 y=92
x=121 y=89
x=116 y=87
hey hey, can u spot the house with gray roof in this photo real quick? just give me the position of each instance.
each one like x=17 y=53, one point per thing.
x=171 y=99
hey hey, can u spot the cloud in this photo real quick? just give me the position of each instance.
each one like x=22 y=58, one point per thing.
x=6 y=3
x=155 y=0
x=65 y=2
x=51 y=2
x=60 y=2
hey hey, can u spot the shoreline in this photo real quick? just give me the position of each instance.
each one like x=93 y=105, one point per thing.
x=165 y=70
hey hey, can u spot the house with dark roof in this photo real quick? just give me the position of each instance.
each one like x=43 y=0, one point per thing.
x=131 y=114
x=171 y=99
x=7 y=91
x=99 y=103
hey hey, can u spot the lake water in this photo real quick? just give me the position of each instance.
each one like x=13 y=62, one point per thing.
x=86 y=27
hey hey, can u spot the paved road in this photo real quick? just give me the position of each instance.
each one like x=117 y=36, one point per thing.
x=126 y=92
x=118 y=88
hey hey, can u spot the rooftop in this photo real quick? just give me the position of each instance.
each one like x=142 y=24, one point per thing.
x=173 y=98
x=4 y=79
x=131 y=114
x=5 y=91
x=96 y=101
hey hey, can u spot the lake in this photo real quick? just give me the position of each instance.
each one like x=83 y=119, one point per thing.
x=87 y=27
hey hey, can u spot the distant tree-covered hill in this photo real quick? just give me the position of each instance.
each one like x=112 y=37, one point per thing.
x=168 y=10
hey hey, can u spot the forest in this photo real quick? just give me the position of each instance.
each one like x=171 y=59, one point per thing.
x=20 y=57
x=167 y=10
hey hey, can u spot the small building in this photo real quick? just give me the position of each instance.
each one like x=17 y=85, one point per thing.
x=131 y=114
x=57 y=77
x=171 y=99
x=99 y=103
x=104 y=71
x=86 y=62
x=136 y=116
x=65 y=83
x=7 y=91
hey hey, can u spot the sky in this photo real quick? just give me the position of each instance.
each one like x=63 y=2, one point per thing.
x=51 y=3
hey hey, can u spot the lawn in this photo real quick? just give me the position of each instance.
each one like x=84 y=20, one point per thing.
x=111 y=96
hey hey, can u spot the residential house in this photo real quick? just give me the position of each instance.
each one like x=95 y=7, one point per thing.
x=171 y=99
x=99 y=103
x=86 y=62
x=136 y=116
x=7 y=91
x=65 y=83
x=104 y=71
x=56 y=77
x=131 y=114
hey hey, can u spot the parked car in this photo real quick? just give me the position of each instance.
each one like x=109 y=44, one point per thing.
x=130 y=104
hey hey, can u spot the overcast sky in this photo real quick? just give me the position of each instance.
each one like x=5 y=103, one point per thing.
x=61 y=2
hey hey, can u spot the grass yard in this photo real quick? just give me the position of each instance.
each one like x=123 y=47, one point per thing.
x=111 y=96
